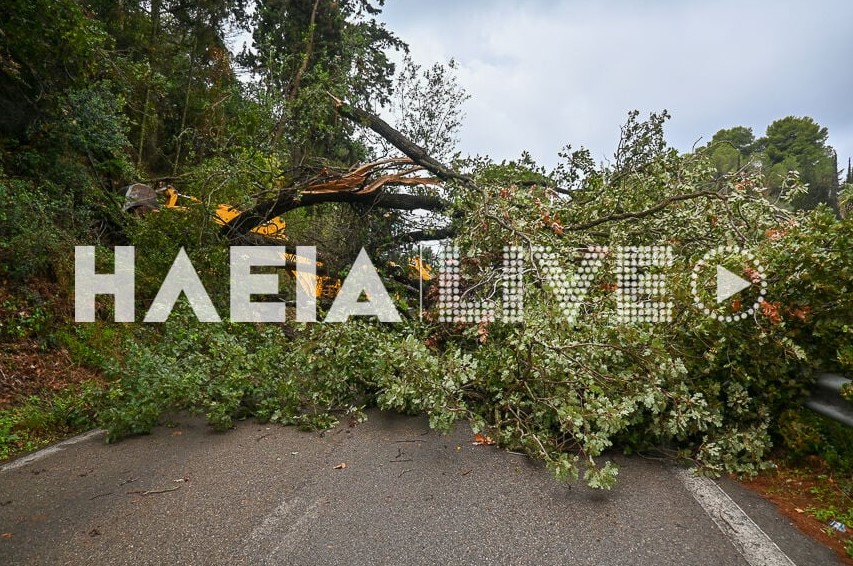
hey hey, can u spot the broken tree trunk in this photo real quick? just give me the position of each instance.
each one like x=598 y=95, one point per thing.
x=364 y=185
x=410 y=149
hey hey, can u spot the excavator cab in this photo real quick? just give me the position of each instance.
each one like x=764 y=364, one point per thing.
x=139 y=198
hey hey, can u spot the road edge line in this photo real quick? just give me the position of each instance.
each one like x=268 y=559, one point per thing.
x=746 y=536
x=53 y=449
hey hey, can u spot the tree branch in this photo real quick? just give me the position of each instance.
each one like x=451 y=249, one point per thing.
x=426 y=235
x=365 y=184
x=292 y=199
x=643 y=213
x=412 y=150
x=306 y=57
x=357 y=185
x=549 y=186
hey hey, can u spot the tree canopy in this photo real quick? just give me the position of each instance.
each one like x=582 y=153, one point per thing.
x=789 y=144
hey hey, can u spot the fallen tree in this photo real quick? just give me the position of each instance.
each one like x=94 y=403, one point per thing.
x=563 y=390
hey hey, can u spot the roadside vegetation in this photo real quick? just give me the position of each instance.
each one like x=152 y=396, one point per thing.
x=811 y=481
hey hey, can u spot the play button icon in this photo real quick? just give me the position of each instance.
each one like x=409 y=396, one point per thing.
x=729 y=284
x=711 y=300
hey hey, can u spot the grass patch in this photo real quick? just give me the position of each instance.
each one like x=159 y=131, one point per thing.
x=39 y=421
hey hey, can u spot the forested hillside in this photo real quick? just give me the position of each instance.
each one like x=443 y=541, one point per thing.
x=311 y=122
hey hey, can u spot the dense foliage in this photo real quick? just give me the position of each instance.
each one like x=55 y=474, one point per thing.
x=790 y=144
x=106 y=94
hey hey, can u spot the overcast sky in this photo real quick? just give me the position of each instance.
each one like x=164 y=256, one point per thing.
x=542 y=74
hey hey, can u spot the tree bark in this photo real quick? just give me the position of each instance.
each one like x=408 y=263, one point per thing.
x=291 y=199
x=410 y=149
x=152 y=42
x=182 y=129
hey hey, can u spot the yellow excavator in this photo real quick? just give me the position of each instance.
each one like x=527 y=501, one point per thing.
x=140 y=198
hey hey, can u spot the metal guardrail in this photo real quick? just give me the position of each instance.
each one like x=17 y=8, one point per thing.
x=827 y=400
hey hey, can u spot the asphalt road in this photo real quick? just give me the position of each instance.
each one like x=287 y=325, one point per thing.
x=272 y=495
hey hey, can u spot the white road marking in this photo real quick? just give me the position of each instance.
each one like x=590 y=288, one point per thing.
x=754 y=545
x=278 y=531
x=43 y=453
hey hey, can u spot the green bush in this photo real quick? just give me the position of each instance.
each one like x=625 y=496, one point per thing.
x=806 y=433
x=158 y=236
x=35 y=230
x=46 y=418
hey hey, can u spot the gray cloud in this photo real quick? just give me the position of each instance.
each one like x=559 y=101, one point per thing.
x=543 y=74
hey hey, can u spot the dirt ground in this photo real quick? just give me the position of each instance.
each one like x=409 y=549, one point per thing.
x=795 y=491
x=27 y=370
